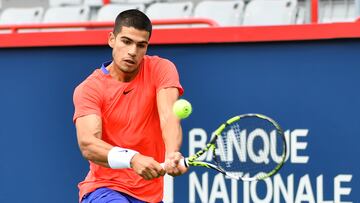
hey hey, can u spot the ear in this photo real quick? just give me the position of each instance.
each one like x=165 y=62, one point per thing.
x=111 y=40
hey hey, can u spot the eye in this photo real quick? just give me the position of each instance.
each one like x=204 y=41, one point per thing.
x=127 y=42
x=141 y=45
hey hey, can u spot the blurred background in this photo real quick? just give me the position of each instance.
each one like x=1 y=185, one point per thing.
x=295 y=61
x=225 y=12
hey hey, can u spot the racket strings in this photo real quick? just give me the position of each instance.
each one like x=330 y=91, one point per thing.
x=226 y=148
x=250 y=146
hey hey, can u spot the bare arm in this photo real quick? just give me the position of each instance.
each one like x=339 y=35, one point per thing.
x=170 y=124
x=93 y=148
x=89 y=131
x=171 y=130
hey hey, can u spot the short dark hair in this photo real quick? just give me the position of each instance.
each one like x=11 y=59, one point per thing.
x=132 y=18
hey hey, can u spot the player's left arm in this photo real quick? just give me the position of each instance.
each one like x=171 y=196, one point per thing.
x=171 y=130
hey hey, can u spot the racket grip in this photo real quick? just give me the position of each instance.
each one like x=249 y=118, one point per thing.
x=182 y=162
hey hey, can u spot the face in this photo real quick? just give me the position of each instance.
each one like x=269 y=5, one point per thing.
x=129 y=47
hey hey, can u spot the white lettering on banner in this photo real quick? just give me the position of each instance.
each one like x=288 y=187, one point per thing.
x=294 y=188
x=234 y=189
x=219 y=190
x=296 y=145
x=269 y=191
x=198 y=139
x=276 y=190
x=338 y=190
x=277 y=158
x=195 y=187
x=287 y=139
x=286 y=191
x=246 y=192
x=320 y=191
x=304 y=192
x=262 y=156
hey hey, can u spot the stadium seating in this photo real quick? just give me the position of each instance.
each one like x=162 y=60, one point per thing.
x=170 y=10
x=301 y=16
x=337 y=11
x=55 y=3
x=270 y=12
x=66 y=14
x=324 y=11
x=225 y=13
x=21 y=15
x=23 y=3
x=352 y=13
x=94 y=3
x=110 y=11
x=133 y=1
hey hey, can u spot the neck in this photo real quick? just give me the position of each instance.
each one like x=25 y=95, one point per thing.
x=118 y=74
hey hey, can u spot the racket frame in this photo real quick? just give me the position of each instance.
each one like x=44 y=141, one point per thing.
x=191 y=161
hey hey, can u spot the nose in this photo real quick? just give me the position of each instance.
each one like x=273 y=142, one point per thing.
x=132 y=50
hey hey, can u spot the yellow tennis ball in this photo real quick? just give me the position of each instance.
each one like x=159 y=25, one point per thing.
x=182 y=108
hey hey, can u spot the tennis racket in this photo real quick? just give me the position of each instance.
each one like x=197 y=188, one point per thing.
x=247 y=147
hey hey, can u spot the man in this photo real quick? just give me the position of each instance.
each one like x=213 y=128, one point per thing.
x=124 y=120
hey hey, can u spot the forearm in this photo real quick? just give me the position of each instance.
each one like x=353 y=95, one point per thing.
x=172 y=135
x=171 y=131
x=170 y=124
x=89 y=133
x=96 y=150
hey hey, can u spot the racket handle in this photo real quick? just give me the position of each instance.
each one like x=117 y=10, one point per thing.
x=182 y=162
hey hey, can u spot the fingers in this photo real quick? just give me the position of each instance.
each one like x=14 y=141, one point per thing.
x=173 y=171
x=162 y=172
x=174 y=158
x=149 y=174
x=173 y=166
x=147 y=167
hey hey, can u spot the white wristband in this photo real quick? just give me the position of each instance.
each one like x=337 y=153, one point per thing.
x=120 y=157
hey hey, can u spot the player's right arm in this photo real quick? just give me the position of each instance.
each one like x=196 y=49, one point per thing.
x=93 y=148
x=89 y=131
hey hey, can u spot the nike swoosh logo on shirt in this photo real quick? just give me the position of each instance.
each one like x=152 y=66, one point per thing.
x=126 y=92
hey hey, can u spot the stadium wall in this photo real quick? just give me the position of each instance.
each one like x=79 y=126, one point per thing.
x=310 y=87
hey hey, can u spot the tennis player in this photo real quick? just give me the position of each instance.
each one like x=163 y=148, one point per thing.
x=124 y=121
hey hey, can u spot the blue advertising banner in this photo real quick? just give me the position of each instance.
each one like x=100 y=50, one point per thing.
x=309 y=87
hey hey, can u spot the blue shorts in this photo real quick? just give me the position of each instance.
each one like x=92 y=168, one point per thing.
x=106 y=195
